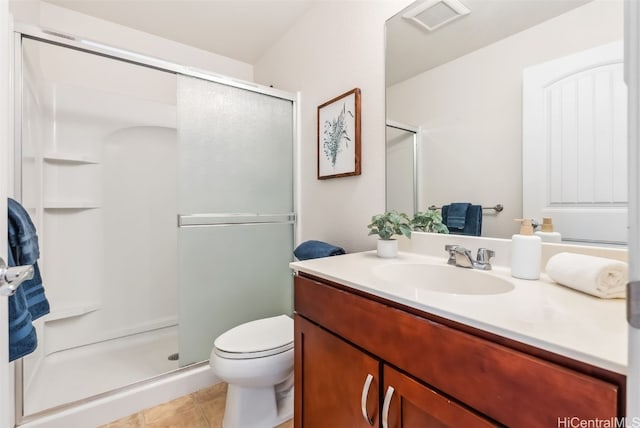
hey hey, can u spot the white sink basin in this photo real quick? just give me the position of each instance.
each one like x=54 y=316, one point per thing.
x=443 y=279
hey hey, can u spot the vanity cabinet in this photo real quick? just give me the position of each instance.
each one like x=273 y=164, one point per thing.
x=427 y=372
x=341 y=388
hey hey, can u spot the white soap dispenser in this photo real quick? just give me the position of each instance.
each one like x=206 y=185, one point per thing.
x=526 y=252
x=546 y=232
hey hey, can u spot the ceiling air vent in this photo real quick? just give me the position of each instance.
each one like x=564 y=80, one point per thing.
x=432 y=14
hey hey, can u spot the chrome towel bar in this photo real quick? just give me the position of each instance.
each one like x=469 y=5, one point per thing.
x=497 y=208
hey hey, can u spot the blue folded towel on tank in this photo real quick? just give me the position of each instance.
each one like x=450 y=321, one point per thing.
x=315 y=250
x=29 y=302
x=472 y=225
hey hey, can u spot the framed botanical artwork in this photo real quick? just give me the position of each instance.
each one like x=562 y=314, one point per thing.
x=339 y=136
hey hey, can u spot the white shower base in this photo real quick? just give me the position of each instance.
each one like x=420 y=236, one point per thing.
x=83 y=372
x=128 y=400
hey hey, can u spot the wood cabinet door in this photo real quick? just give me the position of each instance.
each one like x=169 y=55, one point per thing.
x=410 y=404
x=336 y=384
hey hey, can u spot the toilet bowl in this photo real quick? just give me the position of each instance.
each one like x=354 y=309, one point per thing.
x=256 y=360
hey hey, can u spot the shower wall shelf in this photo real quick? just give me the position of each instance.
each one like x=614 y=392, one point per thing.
x=72 y=311
x=69 y=158
x=70 y=205
x=70 y=179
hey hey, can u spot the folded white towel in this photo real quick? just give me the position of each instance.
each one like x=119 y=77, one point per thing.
x=598 y=276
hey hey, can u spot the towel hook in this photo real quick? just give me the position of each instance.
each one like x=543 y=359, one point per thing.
x=11 y=278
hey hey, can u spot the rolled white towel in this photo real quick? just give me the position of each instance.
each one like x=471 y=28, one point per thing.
x=598 y=276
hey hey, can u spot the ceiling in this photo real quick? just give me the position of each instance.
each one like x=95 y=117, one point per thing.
x=245 y=29
x=239 y=29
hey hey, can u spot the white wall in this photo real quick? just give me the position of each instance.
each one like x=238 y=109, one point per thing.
x=334 y=48
x=481 y=161
x=6 y=369
x=54 y=17
x=632 y=69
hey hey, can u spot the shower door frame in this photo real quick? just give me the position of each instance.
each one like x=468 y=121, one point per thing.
x=62 y=39
x=415 y=151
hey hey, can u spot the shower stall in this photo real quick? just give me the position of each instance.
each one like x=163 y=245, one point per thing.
x=163 y=200
x=402 y=168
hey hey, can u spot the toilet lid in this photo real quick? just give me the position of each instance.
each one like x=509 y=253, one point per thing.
x=265 y=336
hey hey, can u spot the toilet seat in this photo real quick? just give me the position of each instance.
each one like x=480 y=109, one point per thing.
x=256 y=339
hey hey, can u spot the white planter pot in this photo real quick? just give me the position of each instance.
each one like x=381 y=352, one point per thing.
x=387 y=248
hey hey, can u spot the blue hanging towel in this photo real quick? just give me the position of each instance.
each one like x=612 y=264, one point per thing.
x=29 y=302
x=457 y=215
x=22 y=334
x=315 y=250
x=472 y=224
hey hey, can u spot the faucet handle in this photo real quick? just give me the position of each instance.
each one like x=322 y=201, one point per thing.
x=484 y=255
x=451 y=248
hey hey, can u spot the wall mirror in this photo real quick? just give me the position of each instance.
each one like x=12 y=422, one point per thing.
x=456 y=120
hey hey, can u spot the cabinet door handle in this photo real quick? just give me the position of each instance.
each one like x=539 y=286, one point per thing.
x=365 y=395
x=385 y=407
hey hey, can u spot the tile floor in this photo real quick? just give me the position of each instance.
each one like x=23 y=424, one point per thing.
x=201 y=409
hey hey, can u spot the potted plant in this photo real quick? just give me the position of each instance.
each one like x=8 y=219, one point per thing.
x=386 y=226
x=429 y=221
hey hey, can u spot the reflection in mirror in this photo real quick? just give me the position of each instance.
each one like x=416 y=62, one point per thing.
x=461 y=87
x=402 y=179
x=574 y=141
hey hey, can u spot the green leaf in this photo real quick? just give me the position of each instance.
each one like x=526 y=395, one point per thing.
x=390 y=223
x=429 y=221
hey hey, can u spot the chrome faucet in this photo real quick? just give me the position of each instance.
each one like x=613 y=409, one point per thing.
x=461 y=257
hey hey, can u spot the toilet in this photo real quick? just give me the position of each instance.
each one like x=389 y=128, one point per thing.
x=256 y=360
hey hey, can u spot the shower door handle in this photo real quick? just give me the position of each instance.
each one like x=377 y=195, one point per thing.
x=12 y=277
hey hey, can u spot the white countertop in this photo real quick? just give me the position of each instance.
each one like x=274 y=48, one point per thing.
x=539 y=313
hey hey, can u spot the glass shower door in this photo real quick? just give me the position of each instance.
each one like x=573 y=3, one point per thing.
x=235 y=205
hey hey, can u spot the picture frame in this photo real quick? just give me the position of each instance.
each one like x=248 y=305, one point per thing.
x=339 y=136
